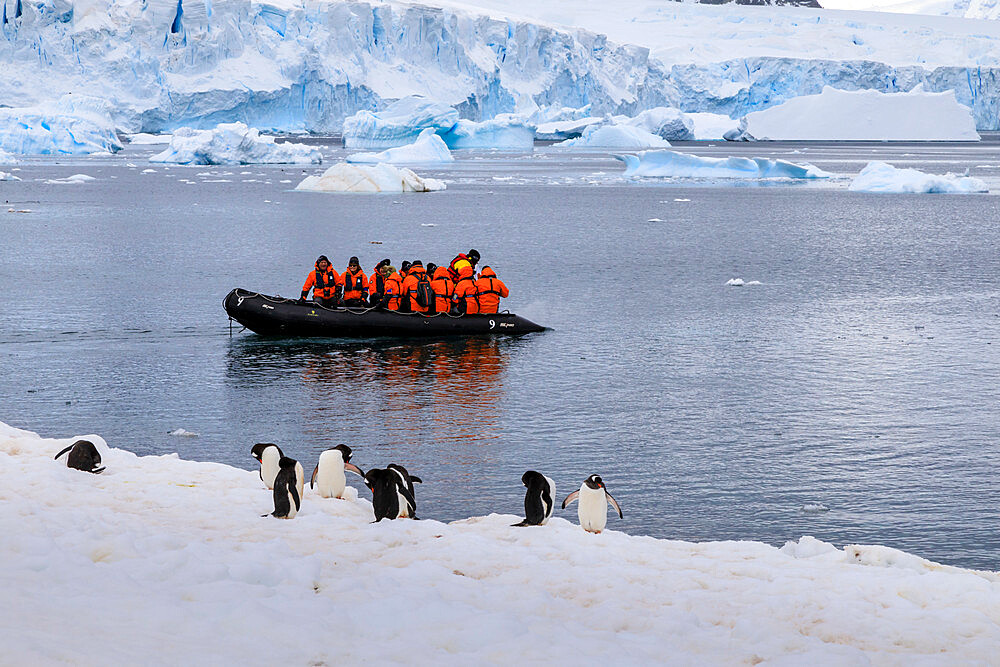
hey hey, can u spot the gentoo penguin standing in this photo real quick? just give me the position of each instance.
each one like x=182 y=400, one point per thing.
x=408 y=481
x=269 y=455
x=538 y=500
x=328 y=476
x=83 y=455
x=594 y=500
x=391 y=498
x=287 y=500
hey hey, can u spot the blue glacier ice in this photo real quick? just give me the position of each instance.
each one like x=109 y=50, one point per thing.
x=884 y=178
x=672 y=164
x=233 y=143
x=429 y=148
x=506 y=131
x=615 y=136
x=74 y=125
x=398 y=124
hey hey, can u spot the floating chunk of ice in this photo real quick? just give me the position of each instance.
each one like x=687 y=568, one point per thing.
x=75 y=179
x=884 y=178
x=233 y=143
x=398 y=124
x=144 y=139
x=504 y=132
x=7 y=176
x=344 y=177
x=182 y=433
x=566 y=129
x=75 y=124
x=665 y=122
x=683 y=165
x=429 y=148
x=615 y=136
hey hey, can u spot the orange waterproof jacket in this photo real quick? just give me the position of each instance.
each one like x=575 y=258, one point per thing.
x=355 y=284
x=460 y=262
x=466 y=291
x=443 y=289
x=393 y=290
x=376 y=284
x=323 y=285
x=489 y=289
x=410 y=288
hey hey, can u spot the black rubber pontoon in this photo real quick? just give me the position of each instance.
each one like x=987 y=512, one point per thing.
x=277 y=316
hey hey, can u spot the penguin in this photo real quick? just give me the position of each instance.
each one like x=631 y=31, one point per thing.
x=329 y=472
x=287 y=499
x=269 y=455
x=391 y=498
x=594 y=500
x=83 y=455
x=538 y=500
x=408 y=481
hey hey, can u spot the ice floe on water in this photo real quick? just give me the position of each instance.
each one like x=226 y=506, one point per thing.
x=7 y=158
x=73 y=124
x=162 y=546
x=344 y=177
x=7 y=176
x=75 y=179
x=429 y=148
x=506 y=132
x=884 y=178
x=398 y=124
x=672 y=164
x=560 y=130
x=233 y=143
x=865 y=115
x=183 y=433
x=665 y=122
x=146 y=139
x=739 y=282
x=615 y=136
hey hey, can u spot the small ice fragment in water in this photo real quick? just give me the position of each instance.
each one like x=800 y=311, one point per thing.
x=181 y=433
x=654 y=220
x=427 y=224
x=735 y=282
x=148 y=171
x=815 y=508
x=681 y=199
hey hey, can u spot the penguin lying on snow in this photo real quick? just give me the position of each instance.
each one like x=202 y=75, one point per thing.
x=538 y=500
x=269 y=456
x=392 y=497
x=83 y=455
x=287 y=499
x=594 y=500
x=329 y=473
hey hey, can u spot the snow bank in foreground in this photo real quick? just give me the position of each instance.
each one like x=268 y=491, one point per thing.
x=865 y=115
x=398 y=124
x=505 y=132
x=75 y=124
x=672 y=164
x=882 y=177
x=164 y=546
x=615 y=136
x=429 y=148
x=233 y=143
x=343 y=177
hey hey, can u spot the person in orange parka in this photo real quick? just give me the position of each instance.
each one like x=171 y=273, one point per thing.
x=465 y=293
x=443 y=289
x=489 y=289
x=355 y=284
x=376 y=284
x=393 y=289
x=323 y=281
x=413 y=278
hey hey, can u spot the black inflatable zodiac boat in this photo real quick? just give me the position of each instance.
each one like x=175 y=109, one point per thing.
x=277 y=316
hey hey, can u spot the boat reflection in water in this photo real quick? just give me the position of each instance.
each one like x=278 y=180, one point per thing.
x=417 y=402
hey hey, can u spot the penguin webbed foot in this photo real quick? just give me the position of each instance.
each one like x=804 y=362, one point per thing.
x=98 y=471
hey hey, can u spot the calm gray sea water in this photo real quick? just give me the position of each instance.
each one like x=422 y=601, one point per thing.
x=860 y=375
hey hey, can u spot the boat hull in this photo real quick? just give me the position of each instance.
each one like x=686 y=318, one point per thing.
x=276 y=316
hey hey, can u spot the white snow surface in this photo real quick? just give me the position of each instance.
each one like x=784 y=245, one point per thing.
x=615 y=136
x=883 y=177
x=398 y=124
x=429 y=148
x=672 y=164
x=233 y=143
x=147 y=139
x=344 y=177
x=506 y=132
x=711 y=126
x=166 y=560
x=865 y=115
x=665 y=122
x=560 y=130
x=73 y=124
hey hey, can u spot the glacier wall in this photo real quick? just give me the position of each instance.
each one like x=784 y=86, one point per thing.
x=308 y=64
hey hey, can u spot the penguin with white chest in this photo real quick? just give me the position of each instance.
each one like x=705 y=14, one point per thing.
x=287 y=499
x=328 y=477
x=269 y=456
x=593 y=508
x=538 y=499
x=391 y=498
x=83 y=455
x=408 y=481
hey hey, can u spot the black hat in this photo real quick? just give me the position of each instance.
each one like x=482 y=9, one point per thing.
x=473 y=255
x=384 y=262
x=404 y=266
x=417 y=262
x=431 y=266
x=322 y=258
x=353 y=260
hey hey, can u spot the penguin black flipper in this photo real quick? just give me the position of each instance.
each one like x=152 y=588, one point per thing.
x=98 y=471
x=614 y=503
x=63 y=452
x=312 y=480
x=416 y=480
x=408 y=497
x=570 y=498
x=294 y=491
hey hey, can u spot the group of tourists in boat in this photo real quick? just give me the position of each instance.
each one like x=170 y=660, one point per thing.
x=455 y=289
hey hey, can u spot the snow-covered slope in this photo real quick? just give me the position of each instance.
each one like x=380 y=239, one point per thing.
x=308 y=64
x=164 y=561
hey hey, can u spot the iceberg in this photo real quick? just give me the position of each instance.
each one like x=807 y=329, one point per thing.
x=343 y=177
x=7 y=176
x=506 y=132
x=884 y=178
x=615 y=136
x=671 y=164
x=561 y=130
x=398 y=124
x=666 y=122
x=711 y=126
x=73 y=125
x=865 y=115
x=75 y=179
x=146 y=139
x=233 y=143
x=7 y=158
x=429 y=148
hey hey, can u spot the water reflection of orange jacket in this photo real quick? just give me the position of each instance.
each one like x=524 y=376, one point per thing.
x=326 y=286
x=443 y=289
x=489 y=289
x=410 y=288
x=465 y=292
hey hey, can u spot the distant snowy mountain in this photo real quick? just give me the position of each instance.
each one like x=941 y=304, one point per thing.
x=763 y=3
x=308 y=64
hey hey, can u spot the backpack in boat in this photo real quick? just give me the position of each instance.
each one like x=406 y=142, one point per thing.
x=425 y=295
